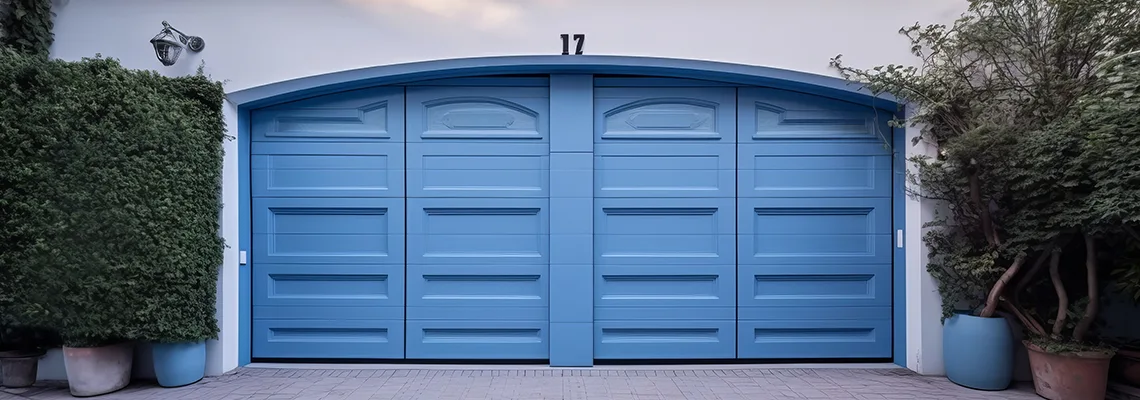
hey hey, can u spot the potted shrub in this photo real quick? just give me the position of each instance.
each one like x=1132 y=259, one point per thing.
x=179 y=299
x=1076 y=193
x=978 y=95
x=21 y=348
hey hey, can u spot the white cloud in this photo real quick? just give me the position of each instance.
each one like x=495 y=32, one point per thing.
x=483 y=14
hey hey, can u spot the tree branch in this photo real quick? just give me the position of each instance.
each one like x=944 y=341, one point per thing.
x=1093 y=308
x=1029 y=323
x=999 y=287
x=1131 y=232
x=1062 y=296
x=983 y=211
x=1027 y=277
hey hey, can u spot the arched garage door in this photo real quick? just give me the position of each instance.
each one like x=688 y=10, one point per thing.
x=413 y=222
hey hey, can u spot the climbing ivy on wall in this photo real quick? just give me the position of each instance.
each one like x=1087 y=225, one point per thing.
x=26 y=26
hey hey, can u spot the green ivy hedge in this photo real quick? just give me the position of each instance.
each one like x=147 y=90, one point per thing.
x=110 y=188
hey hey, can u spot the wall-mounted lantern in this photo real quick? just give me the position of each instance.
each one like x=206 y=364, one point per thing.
x=169 y=42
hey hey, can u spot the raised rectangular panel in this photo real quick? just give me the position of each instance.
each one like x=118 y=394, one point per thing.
x=815 y=170
x=478 y=114
x=772 y=114
x=813 y=221
x=328 y=285
x=664 y=339
x=815 y=338
x=478 y=170
x=814 y=231
x=664 y=231
x=664 y=170
x=644 y=114
x=670 y=286
x=854 y=287
x=361 y=115
x=835 y=285
x=358 y=339
x=475 y=286
x=335 y=287
x=283 y=175
x=478 y=231
x=457 y=339
x=328 y=231
x=659 y=287
x=479 y=287
x=325 y=169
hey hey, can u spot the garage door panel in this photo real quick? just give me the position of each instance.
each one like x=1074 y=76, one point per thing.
x=659 y=114
x=327 y=169
x=664 y=231
x=670 y=286
x=479 y=213
x=334 y=285
x=655 y=169
x=807 y=216
x=773 y=114
x=374 y=114
x=628 y=314
x=769 y=250
x=323 y=312
x=842 y=338
x=664 y=339
x=808 y=285
x=329 y=338
x=475 y=288
x=811 y=170
x=502 y=339
x=459 y=316
x=328 y=231
x=813 y=313
x=462 y=114
x=478 y=170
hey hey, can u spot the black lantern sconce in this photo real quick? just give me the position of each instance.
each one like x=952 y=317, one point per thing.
x=169 y=42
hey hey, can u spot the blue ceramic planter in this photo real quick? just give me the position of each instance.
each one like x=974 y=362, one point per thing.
x=978 y=352
x=179 y=364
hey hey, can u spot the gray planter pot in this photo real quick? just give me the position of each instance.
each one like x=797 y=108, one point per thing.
x=92 y=371
x=19 y=368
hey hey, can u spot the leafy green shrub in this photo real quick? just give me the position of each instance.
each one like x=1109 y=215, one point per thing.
x=1033 y=107
x=111 y=182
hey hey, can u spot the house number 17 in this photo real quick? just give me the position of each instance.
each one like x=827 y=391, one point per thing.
x=579 y=40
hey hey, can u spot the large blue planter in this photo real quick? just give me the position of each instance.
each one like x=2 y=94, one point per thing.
x=978 y=352
x=179 y=364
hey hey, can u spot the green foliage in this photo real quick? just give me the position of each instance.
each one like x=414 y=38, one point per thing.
x=26 y=26
x=110 y=183
x=1028 y=105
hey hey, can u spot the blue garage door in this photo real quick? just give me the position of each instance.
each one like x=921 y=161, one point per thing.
x=478 y=236
x=665 y=223
x=815 y=228
x=414 y=223
x=327 y=184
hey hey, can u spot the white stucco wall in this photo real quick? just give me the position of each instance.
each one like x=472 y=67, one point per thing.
x=255 y=42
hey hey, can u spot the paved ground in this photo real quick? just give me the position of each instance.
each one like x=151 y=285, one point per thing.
x=535 y=384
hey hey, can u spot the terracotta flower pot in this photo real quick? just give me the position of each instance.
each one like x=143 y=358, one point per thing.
x=1069 y=376
x=1126 y=366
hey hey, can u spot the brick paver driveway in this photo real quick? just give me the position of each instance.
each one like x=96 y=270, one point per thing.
x=629 y=383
